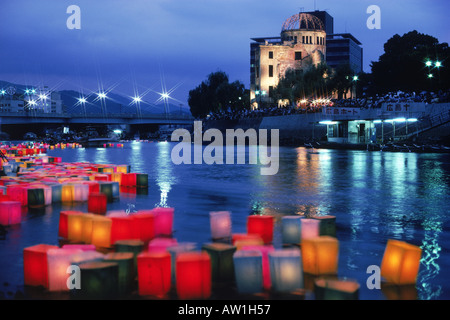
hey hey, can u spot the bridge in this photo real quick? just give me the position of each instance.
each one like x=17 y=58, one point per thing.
x=7 y=118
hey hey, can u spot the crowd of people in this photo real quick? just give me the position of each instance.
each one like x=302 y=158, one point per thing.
x=311 y=106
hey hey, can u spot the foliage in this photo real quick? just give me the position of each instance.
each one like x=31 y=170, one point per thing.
x=402 y=65
x=217 y=94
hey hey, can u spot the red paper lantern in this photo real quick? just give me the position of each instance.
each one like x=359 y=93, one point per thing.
x=35 y=267
x=144 y=225
x=129 y=179
x=193 y=278
x=261 y=225
x=94 y=186
x=97 y=203
x=63 y=223
x=121 y=228
x=4 y=197
x=18 y=193
x=154 y=273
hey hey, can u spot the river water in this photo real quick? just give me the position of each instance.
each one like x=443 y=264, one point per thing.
x=375 y=196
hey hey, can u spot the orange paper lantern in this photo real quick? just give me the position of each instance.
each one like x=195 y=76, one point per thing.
x=63 y=222
x=401 y=262
x=320 y=255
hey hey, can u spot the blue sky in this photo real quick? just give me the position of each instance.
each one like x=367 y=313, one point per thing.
x=146 y=45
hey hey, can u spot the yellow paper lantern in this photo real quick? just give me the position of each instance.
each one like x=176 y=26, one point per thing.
x=67 y=193
x=75 y=227
x=401 y=262
x=101 y=232
x=320 y=255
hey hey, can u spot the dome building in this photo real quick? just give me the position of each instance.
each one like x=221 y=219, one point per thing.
x=302 y=43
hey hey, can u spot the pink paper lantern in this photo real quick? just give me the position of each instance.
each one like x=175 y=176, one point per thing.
x=83 y=247
x=10 y=213
x=163 y=221
x=58 y=260
x=220 y=223
x=161 y=244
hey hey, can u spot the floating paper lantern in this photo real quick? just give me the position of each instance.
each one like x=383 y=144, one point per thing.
x=5 y=197
x=220 y=222
x=99 y=281
x=10 y=213
x=115 y=189
x=336 y=289
x=107 y=189
x=265 y=250
x=401 y=262
x=291 y=230
x=174 y=250
x=35 y=265
x=154 y=273
x=143 y=225
x=261 y=225
x=193 y=275
x=97 y=203
x=129 y=179
x=310 y=228
x=101 y=232
x=58 y=261
x=85 y=256
x=75 y=227
x=241 y=240
x=248 y=271
x=36 y=197
x=63 y=222
x=56 y=193
x=161 y=244
x=222 y=266
x=327 y=226
x=94 y=186
x=117 y=177
x=67 y=193
x=18 y=193
x=123 y=168
x=125 y=262
x=86 y=229
x=142 y=180
x=286 y=270
x=80 y=192
x=121 y=228
x=320 y=255
x=101 y=177
x=163 y=221
x=133 y=246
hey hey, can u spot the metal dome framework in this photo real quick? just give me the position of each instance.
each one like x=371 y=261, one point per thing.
x=303 y=21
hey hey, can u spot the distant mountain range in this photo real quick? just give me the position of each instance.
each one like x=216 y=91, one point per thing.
x=114 y=103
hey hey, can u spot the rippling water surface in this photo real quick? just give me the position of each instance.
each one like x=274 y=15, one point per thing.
x=375 y=196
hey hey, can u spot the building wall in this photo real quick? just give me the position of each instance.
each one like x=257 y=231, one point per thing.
x=297 y=49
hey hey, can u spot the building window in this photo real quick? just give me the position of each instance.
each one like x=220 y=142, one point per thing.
x=257 y=71
x=298 y=55
x=318 y=41
x=270 y=91
x=310 y=39
x=303 y=39
x=270 y=71
x=270 y=54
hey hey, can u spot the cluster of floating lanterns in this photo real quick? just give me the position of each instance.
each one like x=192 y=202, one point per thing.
x=118 y=251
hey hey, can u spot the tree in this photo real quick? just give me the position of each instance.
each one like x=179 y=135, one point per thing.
x=298 y=84
x=217 y=94
x=342 y=80
x=402 y=65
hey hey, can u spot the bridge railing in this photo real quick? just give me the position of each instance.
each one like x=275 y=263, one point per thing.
x=96 y=115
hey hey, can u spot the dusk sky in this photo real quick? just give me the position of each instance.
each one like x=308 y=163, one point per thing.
x=142 y=45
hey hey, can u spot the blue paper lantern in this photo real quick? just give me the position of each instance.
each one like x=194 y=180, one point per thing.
x=291 y=229
x=286 y=270
x=248 y=271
